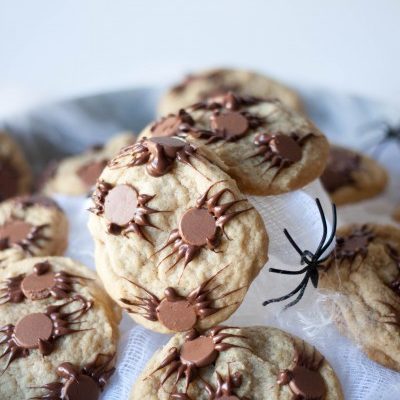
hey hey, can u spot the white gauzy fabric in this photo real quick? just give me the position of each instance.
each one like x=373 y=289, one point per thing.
x=70 y=126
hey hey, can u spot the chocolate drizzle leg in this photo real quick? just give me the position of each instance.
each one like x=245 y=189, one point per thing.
x=304 y=378
x=159 y=154
x=77 y=383
x=176 y=312
x=198 y=351
x=124 y=208
x=225 y=389
x=202 y=226
x=38 y=285
x=41 y=330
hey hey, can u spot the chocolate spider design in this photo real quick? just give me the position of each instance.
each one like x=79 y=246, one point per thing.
x=201 y=226
x=79 y=383
x=176 y=312
x=157 y=153
x=395 y=256
x=198 y=351
x=304 y=378
x=313 y=261
x=349 y=246
x=223 y=391
x=21 y=234
x=125 y=209
x=279 y=150
x=229 y=121
x=41 y=330
x=40 y=284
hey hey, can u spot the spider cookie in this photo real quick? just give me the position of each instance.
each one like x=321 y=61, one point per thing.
x=31 y=226
x=15 y=174
x=58 y=331
x=365 y=271
x=350 y=176
x=266 y=147
x=237 y=364
x=76 y=175
x=176 y=243
x=210 y=83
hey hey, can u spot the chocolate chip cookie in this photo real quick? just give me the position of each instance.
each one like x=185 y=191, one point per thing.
x=31 y=226
x=266 y=147
x=237 y=364
x=350 y=176
x=15 y=174
x=363 y=275
x=58 y=331
x=76 y=175
x=197 y=87
x=176 y=243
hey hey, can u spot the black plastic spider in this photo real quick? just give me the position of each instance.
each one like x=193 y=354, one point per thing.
x=390 y=134
x=312 y=260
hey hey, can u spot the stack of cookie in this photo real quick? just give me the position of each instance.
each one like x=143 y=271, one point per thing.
x=178 y=245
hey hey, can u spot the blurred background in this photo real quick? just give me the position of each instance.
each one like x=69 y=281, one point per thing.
x=56 y=49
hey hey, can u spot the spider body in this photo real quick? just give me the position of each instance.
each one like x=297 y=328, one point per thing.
x=79 y=383
x=313 y=261
x=278 y=149
x=198 y=351
x=202 y=226
x=304 y=378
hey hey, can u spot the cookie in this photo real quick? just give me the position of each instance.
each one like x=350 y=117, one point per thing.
x=176 y=243
x=31 y=226
x=350 y=176
x=266 y=147
x=15 y=174
x=76 y=175
x=237 y=363
x=197 y=87
x=58 y=329
x=364 y=276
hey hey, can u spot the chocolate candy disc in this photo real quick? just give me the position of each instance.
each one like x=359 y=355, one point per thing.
x=33 y=328
x=307 y=384
x=15 y=231
x=200 y=352
x=120 y=204
x=231 y=123
x=196 y=226
x=36 y=287
x=84 y=388
x=286 y=147
x=179 y=316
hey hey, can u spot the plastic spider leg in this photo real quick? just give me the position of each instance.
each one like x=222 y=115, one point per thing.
x=333 y=232
x=299 y=288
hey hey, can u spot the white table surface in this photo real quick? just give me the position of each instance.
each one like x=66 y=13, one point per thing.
x=54 y=49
